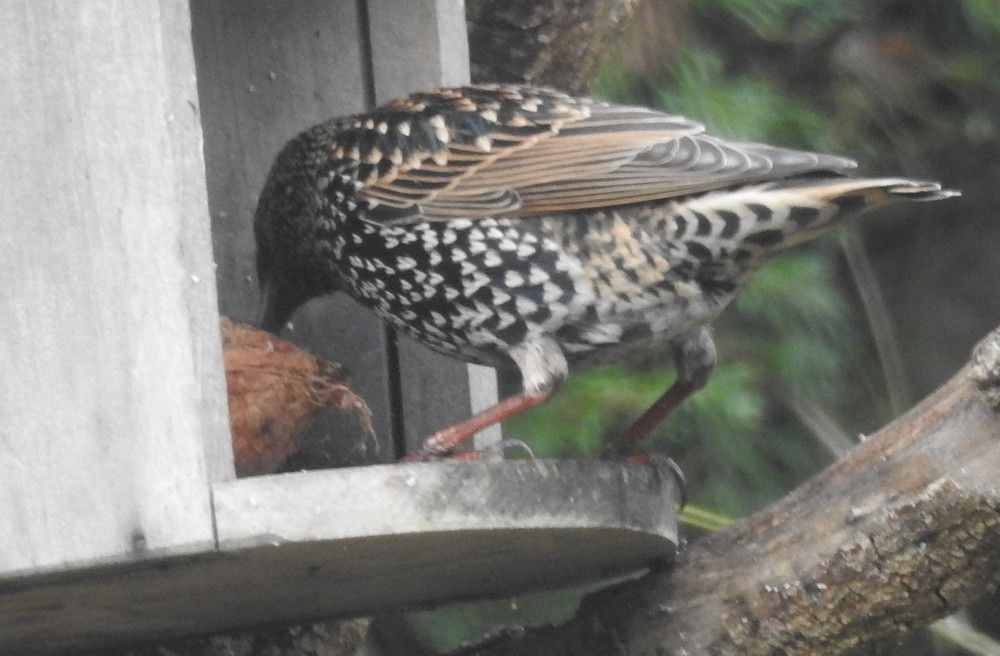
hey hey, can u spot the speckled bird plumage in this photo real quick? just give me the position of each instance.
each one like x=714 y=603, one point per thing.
x=510 y=224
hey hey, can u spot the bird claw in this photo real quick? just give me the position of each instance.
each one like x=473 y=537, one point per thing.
x=498 y=451
x=492 y=453
x=679 y=479
x=660 y=462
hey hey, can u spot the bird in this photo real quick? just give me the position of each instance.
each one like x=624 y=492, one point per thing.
x=518 y=226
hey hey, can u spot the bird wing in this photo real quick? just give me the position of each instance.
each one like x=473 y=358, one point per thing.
x=510 y=150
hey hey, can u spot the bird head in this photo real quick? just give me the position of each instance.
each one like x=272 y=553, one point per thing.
x=293 y=260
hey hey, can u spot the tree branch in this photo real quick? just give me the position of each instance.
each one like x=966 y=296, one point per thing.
x=561 y=43
x=901 y=531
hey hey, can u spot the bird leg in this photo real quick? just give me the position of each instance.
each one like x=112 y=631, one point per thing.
x=694 y=355
x=493 y=452
x=448 y=439
x=542 y=365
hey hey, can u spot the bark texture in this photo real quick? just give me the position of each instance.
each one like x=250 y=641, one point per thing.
x=321 y=639
x=903 y=530
x=559 y=43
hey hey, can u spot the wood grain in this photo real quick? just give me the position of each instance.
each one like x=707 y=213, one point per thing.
x=112 y=405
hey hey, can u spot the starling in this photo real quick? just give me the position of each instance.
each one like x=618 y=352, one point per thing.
x=514 y=225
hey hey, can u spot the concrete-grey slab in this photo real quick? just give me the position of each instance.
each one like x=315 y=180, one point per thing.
x=346 y=542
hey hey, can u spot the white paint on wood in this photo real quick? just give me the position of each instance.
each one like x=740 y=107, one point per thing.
x=483 y=393
x=266 y=71
x=453 y=37
x=417 y=45
x=112 y=406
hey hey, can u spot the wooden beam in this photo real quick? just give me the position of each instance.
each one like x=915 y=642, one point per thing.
x=419 y=45
x=112 y=404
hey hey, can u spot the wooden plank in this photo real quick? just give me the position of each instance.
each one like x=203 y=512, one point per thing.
x=112 y=406
x=416 y=45
x=349 y=541
x=412 y=498
x=266 y=72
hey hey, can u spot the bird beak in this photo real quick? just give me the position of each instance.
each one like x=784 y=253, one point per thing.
x=280 y=303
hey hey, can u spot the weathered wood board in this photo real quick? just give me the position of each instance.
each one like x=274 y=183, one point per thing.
x=112 y=406
x=346 y=542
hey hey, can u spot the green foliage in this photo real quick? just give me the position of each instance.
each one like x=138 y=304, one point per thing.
x=792 y=321
x=778 y=20
x=446 y=629
x=747 y=107
x=704 y=519
x=983 y=17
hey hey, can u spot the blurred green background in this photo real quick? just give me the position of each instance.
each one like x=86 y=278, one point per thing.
x=837 y=337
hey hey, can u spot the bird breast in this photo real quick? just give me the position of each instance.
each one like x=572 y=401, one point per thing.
x=477 y=289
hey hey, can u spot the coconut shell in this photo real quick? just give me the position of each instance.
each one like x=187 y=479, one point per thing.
x=275 y=390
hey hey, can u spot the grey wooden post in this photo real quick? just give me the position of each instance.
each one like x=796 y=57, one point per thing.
x=265 y=72
x=112 y=406
x=423 y=44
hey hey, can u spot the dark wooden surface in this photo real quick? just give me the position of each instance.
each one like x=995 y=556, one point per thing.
x=266 y=73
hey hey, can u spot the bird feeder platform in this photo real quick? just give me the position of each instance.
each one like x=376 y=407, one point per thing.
x=345 y=542
x=141 y=135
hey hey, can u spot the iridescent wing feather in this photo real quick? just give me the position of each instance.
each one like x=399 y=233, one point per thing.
x=510 y=150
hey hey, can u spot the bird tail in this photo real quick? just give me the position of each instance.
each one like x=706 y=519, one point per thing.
x=869 y=191
x=778 y=215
